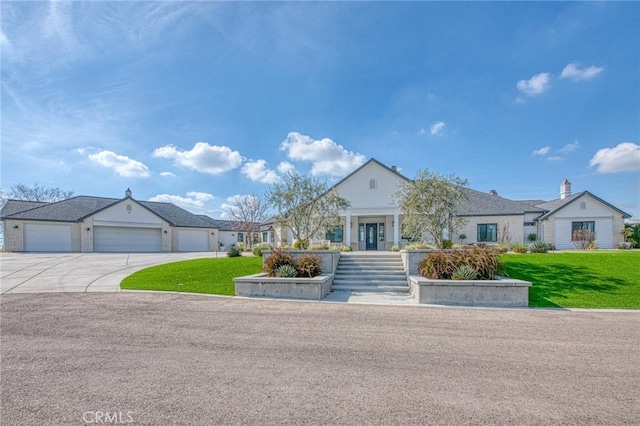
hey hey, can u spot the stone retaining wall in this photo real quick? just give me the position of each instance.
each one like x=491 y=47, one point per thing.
x=260 y=285
x=501 y=292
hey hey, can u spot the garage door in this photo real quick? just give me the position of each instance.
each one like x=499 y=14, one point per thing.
x=193 y=240
x=40 y=237
x=116 y=239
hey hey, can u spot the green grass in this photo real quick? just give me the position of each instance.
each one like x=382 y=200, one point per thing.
x=212 y=276
x=579 y=279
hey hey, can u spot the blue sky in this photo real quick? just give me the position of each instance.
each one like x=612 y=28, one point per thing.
x=195 y=103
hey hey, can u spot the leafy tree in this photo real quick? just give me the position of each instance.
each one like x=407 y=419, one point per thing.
x=429 y=203
x=38 y=192
x=304 y=205
x=248 y=211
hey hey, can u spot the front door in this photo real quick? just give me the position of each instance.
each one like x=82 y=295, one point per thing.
x=372 y=236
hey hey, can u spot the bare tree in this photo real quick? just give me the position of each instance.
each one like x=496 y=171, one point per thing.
x=38 y=192
x=429 y=203
x=583 y=238
x=505 y=234
x=305 y=206
x=248 y=211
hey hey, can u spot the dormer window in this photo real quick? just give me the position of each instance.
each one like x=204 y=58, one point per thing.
x=373 y=184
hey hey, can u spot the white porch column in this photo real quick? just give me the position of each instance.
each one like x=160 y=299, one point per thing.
x=396 y=227
x=347 y=226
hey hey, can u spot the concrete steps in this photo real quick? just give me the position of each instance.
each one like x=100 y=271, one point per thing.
x=370 y=272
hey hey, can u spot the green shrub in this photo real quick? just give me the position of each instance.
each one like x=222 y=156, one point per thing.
x=277 y=259
x=502 y=248
x=518 y=248
x=532 y=237
x=234 y=252
x=464 y=272
x=418 y=246
x=286 y=271
x=447 y=244
x=345 y=248
x=301 y=244
x=308 y=265
x=318 y=247
x=540 y=247
x=240 y=246
x=257 y=250
x=395 y=248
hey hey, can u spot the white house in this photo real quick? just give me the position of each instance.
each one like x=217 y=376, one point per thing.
x=373 y=220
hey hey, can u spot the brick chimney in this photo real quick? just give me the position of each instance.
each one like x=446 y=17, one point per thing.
x=565 y=189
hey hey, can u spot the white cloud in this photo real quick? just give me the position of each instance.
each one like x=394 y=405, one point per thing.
x=258 y=171
x=121 y=164
x=542 y=151
x=204 y=158
x=437 y=128
x=326 y=156
x=570 y=147
x=572 y=72
x=167 y=174
x=285 y=167
x=556 y=158
x=194 y=201
x=625 y=157
x=535 y=85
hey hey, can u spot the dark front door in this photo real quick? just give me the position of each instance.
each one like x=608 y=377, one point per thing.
x=372 y=236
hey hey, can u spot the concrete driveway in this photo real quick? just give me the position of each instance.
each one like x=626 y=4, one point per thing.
x=78 y=272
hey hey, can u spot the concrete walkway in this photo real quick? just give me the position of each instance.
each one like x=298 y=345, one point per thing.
x=78 y=272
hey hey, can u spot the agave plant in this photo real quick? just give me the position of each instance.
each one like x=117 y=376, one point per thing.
x=464 y=272
x=286 y=271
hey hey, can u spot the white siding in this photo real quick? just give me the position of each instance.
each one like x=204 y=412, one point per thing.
x=593 y=210
x=515 y=224
x=357 y=189
x=127 y=213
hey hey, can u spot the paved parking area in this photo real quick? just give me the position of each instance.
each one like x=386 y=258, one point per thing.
x=77 y=272
x=176 y=359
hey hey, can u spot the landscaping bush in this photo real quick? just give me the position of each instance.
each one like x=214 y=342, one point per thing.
x=318 y=247
x=518 y=248
x=300 y=244
x=582 y=239
x=286 y=271
x=540 y=247
x=464 y=272
x=502 y=248
x=257 y=250
x=277 y=259
x=532 y=237
x=484 y=260
x=447 y=244
x=234 y=252
x=395 y=248
x=419 y=246
x=308 y=265
x=345 y=248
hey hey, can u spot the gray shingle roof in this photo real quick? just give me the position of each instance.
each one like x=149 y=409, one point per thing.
x=552 y=207
x=483 y=204
x=77 y=208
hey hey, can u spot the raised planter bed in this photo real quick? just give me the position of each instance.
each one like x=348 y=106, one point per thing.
x=260 y=285
x=501 y=292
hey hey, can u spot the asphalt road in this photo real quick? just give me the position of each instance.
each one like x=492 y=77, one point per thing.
x=74 y=358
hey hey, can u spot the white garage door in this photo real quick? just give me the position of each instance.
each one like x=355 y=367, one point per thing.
x=41 y=237
x=193 y=240
x=116 y=239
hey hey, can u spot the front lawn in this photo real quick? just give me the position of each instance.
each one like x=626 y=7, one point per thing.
x=579 y=279
x=212 y=276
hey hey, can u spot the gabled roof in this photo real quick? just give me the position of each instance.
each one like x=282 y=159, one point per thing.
x=554 y=206
x=78 y=208
x=374 y=161
x=483 y=204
